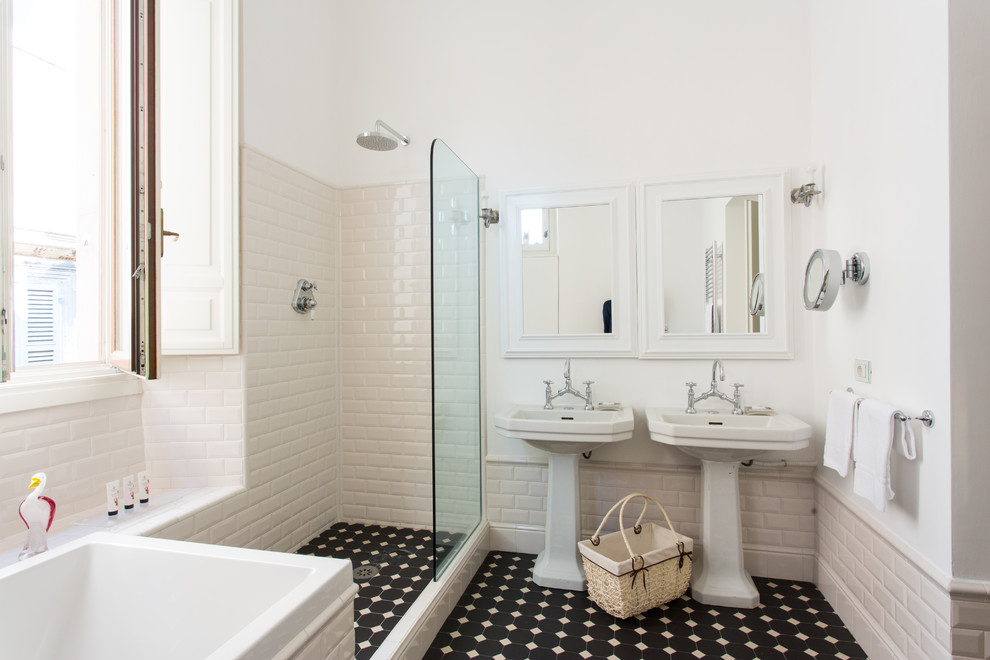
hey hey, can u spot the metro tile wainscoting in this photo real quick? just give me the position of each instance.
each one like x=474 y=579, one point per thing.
x=288 y=369
x=385 y=396
x=777 y=507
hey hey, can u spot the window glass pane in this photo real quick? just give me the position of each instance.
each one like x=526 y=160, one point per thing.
x=58 y=180
x=534 y=226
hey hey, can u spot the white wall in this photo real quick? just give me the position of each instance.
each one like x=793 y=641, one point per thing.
x=585 y=94
x=288 y=107
x=879 y=123
x=563 y=92
x=969 y=236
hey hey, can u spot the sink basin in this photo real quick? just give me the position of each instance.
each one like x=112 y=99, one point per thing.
x=564 y=433
x=721 y=440
x=722 y=436
x=565 y=430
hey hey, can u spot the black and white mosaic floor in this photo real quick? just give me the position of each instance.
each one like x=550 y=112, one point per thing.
x=503 y=615
x=392 y=566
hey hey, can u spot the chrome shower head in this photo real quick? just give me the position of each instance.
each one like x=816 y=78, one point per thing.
x=378 y=141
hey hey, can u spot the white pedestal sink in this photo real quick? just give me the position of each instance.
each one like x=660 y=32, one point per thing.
x=564 y=434
x=721 y=440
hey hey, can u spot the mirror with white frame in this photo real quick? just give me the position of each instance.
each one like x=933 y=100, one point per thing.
x=705 y=243
x=568 y=272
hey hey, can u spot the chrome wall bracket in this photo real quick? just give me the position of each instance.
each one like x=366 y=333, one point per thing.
x=857 y=269
x=490 y=217
x=805 y=194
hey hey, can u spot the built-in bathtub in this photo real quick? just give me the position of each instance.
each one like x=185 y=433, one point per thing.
x=114 y=596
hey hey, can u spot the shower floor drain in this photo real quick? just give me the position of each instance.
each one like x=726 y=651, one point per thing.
x=365 y=572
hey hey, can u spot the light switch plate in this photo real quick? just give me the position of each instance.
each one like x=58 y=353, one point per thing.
x=864 y=372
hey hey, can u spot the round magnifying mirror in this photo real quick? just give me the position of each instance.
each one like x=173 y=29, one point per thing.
x=822 y=279
x=756 y=296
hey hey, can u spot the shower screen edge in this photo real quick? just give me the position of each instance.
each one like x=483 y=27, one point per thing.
x=455 y=320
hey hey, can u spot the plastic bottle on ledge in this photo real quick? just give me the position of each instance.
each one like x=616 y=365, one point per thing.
x=144 y=484
x=37 y=512
x=129 y=492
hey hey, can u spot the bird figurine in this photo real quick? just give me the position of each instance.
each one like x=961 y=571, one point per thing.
x=37 y=512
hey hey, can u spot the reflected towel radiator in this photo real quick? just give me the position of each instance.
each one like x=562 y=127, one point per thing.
x=713 y=288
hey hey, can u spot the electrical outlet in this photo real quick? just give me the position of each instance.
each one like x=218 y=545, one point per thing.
x=864 y=372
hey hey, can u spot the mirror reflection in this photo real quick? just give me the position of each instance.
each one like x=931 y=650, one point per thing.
x=711 y=253
x=567 y=270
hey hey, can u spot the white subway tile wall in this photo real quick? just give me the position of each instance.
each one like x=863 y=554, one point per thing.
x=456 y=353
x=194 y=422
x=385 y=355
x=894 y=609
x=971 y=626
x=334 y=640
x=778 y=517
x=290 y=368
x=80 y=447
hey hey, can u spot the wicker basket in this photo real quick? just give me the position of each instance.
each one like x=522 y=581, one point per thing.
x=634 y=570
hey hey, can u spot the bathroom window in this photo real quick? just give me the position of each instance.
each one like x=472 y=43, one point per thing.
x=70 y=163
x=535 y=230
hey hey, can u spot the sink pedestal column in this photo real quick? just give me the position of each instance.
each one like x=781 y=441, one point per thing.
x=559 y=565
x=722 y=579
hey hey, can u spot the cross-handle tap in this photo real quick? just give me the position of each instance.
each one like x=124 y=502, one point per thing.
x=718 y=373
x=569 y=389
x=737 y=399
x=690 y=406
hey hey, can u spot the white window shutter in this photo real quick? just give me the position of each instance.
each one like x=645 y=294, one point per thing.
x=199 y=276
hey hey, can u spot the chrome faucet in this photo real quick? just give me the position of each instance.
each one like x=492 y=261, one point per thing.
x=718 y=373
x=567 y=389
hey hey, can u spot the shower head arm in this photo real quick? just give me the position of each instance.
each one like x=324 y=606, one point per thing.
x=402 y=138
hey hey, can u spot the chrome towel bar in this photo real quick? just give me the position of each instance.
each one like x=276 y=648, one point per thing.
x=927 y=417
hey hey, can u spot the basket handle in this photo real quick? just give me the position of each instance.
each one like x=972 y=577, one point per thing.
x=621 y=505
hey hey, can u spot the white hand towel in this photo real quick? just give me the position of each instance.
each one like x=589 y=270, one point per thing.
x=908 y=449
x=839 y=426
x=871 y=451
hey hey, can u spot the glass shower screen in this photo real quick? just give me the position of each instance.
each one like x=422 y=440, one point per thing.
x=454 y=237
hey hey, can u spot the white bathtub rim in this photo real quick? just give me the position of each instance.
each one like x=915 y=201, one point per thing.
x=313 y=629
x=305 y=602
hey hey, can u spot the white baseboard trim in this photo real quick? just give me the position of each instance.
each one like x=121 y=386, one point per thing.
x=414 y=633
x=782 y=563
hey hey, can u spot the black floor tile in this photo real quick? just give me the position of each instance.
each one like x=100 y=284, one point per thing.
x=404 y=558
x=503 y=616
